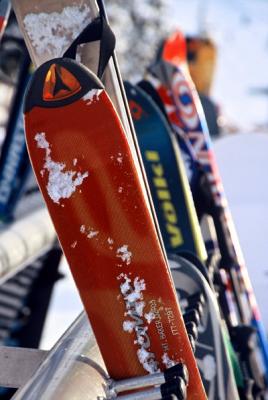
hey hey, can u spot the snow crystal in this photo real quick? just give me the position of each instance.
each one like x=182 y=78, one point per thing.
x=60 y=184
x=120 y=189
x=121 y=276
x=132 y=293
x=148 y=363
x=124 y=254
x=110 y=241
x=74 y=161
x=149 y=317
x=92 y=95
x=73 y=245
x=167 y=361
x=139 y=306
x=119 y=158
x=52 y=33
x=128 y=326
x=41 y=141
x=125 y=286
x=91 y=234
x=134 y=296
x=140 y=340
x=139 y=285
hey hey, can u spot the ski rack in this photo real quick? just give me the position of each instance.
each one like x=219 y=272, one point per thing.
x=74 y=367
x=24 y=241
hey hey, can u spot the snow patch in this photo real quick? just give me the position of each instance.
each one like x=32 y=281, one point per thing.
x=123 y=253
x=167 y=361
x=52 y=33
x=149 y=317
x=92 y=95
x=61 y=185
x=128 y=326
x=119 y=158
x=131 y=291
x=147 y=362
x=90 y=232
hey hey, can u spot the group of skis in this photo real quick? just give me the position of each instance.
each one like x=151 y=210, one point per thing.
x=131 y=183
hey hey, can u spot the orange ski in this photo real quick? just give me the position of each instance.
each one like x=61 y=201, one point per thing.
x=87 y=175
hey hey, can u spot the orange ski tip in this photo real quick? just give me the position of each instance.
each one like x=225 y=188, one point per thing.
x=59 y=84
x=175 y=48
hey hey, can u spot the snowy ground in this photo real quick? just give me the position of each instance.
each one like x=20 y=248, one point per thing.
x=243 y=163
x=240 y=30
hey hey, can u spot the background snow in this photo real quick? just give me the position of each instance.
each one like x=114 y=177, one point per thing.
x=243 y=163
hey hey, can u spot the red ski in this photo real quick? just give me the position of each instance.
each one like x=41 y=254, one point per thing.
x=5 y=7
x=89 y=181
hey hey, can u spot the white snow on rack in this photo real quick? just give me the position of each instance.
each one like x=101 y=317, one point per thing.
x=61 y=185
x=52 y=33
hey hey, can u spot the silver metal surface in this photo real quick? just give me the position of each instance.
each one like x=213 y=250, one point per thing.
x=73 y=369
x=24 y=241
x=151 y=394
x=138 y=382
x=17 y=365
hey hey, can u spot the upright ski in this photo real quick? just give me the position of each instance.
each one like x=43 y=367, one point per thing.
x=171 y=79
x=175 y=209
x=14 y=162
x=165 y=172
x=89 y=180
x=212 y=358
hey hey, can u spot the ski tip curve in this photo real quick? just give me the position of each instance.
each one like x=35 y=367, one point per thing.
x=59 y=82
x=174 y=48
